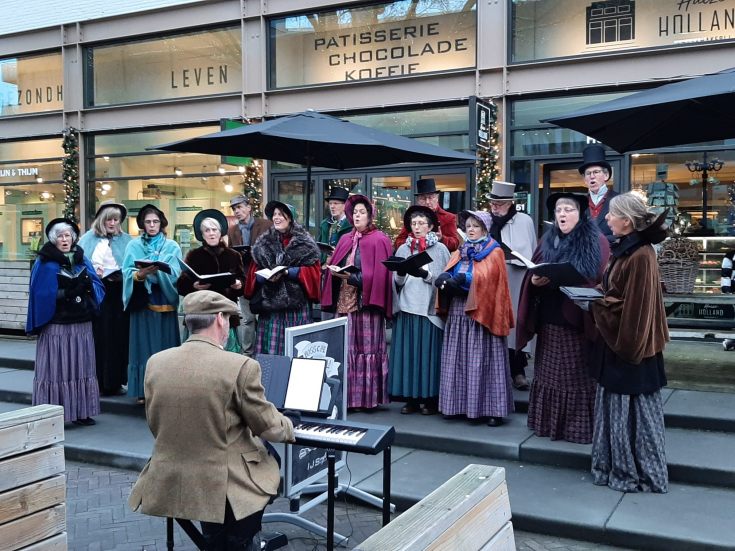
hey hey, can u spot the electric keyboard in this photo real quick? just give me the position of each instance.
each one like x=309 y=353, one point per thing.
x=341 y=434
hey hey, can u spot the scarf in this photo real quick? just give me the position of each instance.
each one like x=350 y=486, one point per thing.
x=419 y=245
x=470 y=248
x=152 y=245
x=499 y=222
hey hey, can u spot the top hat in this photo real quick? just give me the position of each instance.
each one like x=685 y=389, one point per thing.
x=424 y=211
x=287 y=210
x=110 y=204
x=209 y=302
x=482 y=216
x=237 y=199
x=209 y=213
x=502 y=191
x=354 y=200
x=594 y=155
x=578 y=198
x=338 y=194
x=425 y=185
x=140 y=217
x=61 y=221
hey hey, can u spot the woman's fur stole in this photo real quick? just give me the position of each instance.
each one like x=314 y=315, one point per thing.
x=581 y=248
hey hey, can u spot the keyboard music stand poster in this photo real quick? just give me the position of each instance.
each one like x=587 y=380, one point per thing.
x=326 y=340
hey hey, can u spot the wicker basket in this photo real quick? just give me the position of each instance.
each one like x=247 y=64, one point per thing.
x=677 y=275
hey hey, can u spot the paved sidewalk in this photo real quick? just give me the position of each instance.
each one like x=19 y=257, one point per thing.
x=98 y=518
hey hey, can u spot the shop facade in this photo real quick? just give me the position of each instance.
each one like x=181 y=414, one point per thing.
x=133 y=81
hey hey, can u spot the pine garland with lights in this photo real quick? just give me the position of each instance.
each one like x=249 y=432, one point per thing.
x=252 y=187
x=70 y=173
x=487 y=162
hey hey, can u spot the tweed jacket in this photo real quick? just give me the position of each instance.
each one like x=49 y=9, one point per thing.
x=205 y=408
x=260 y=226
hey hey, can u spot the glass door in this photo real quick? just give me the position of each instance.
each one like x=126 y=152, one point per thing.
x=454 y=186
x=291 y=191
x=392 y=194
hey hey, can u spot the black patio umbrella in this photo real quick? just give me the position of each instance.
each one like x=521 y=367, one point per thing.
x=315 y=139
x=699 y=109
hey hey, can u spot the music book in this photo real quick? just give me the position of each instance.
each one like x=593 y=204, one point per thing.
x=65 y=277
x=409 y=264
x=293 y=383
x=224 y=279
x=325 y=247
x=269 y=273
x=160 y=265
x=581 y=293
x=560 y=273
x=245 y=250
x=349 y=269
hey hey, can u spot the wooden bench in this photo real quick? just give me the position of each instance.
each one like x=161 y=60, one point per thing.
x=32 y=480
x=15 y=276
x=469 y=512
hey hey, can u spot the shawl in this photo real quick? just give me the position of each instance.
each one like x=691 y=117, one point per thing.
x=118 y=243
x=377 y=291
x=631 y=317
x=301 y=251
x=156 y=248
x=580 y=248
x=44 y=285
x=488 y=302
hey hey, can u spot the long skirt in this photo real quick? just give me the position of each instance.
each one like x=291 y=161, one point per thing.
x=150 y=332
x=271 y=336
x=111 y=339
x=628 y=447
x=367 y=360
x=475 y=373
x=65 y=370
x=562 y=398
x=415 y=357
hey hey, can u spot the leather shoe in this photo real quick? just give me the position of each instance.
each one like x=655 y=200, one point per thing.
x=410 y=407
x=494 y=421
x=428 y=410
x=88 y=422
x=520 y=382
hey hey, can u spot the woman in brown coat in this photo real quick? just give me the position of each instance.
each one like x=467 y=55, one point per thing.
x=628 y=452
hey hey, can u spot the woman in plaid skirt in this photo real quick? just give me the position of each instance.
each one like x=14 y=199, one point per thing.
x=475 y=300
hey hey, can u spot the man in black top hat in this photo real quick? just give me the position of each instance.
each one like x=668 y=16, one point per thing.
x=597 y=173
x=428 y=196
x=336 y=224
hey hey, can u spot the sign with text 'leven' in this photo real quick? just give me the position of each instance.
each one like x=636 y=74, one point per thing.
x=363 y=52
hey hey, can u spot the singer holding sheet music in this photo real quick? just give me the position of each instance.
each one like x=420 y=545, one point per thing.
x=365 y=297
x=150 y=294
x=474 y=297
x=65 y=294
x=214 y=257
x=283 y=300
x=562 y=396
x=104 y=244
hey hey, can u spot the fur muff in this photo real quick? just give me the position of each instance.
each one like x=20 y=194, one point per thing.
x=581 y=247
x=302 y=250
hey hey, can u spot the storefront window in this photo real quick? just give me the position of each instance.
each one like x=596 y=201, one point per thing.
x=372 y=42
x=193 y=64
x=180 y=184
x=32 y=194
x=545 y=29
x=31 y=84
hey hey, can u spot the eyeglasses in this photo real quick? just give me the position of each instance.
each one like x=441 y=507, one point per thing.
x=565 y=210
x=152 y=222
x=418 y=223
x=594 y=172
x=499 y=203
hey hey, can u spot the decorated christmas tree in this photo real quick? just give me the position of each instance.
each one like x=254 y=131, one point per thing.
x=487 y=162
x=70 y=173
x=252 y=186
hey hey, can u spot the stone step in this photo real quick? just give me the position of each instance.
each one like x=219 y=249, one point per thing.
x=544 y=499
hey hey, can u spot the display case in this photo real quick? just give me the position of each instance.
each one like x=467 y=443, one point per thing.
x=713 y=249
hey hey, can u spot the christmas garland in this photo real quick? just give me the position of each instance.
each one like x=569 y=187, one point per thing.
x=487 y=162
x=70 y=173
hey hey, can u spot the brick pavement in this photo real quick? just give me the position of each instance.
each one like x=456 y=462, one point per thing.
x=98 y=519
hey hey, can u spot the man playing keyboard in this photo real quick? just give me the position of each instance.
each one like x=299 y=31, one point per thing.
x=206 y=407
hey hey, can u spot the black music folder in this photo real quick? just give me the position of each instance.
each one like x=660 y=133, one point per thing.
x=157 y=263
x=326 y=248
x=560 y=273
x=409 y=264
x=294 y=383
x=224 y=279
x=581 y=293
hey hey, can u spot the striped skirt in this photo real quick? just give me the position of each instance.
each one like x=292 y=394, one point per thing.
x=475 y=372
x=367 y=360
x=628 y=447
x=271 y=336
x=415 y=356
x=562 y=398
x=65 y=370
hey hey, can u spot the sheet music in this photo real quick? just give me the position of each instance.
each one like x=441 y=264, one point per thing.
x=305 y=384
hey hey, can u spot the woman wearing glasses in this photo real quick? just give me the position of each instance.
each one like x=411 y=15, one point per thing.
x=562 y=397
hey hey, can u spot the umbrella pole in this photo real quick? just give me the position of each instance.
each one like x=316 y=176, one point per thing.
x=307 y=187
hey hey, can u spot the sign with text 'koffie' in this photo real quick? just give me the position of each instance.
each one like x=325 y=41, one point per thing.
x=374 y=42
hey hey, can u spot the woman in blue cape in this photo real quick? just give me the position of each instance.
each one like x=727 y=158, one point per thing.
x=104 y=244
x=150 y=294
x=65 y=294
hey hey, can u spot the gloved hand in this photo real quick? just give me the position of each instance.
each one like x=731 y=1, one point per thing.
x=76 y=287
x=293 y=273
x=419 y=272
x=401 y=272
x=460 y=279
x=442 y=279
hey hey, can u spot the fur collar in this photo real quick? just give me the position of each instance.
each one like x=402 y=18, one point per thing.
x=581 y=247
x=301 y=250
x=49 y=252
